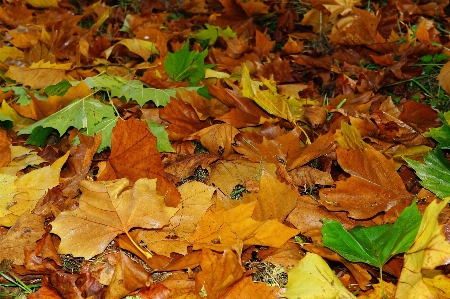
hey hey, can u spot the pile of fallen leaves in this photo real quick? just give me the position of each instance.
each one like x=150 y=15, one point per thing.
x=224 y=149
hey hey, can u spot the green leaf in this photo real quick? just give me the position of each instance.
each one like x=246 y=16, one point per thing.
x=131 y=89
x=58 y=89
x=105 y=127
x=212 y=32
x=435 y=173
x=22 y=94
x=184 y=65
x=162 y=138
x=373 y=245
x=84 y=114
x=6 y=122
x=441 y=134
x=39 y=136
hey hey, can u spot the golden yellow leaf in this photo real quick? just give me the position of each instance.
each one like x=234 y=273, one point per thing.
x=10 y=52
x=430 y=249
x=38 y=75
x=219 y=271
x=313 y=278
x=106 y=209
x=444 y=77
x=274 y=200
x=43 y=3
x=349 y=137
x=140 y=47
x=268 y=99
x=27 y=190
x=219 y=230
x=21 y=157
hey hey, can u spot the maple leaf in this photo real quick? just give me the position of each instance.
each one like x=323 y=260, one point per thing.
x=373 y=245
x=313 y=278
x=211 y=33
x=374 y=184
x=219 y=271
x=38 y=75
x=267 y=99
x=21 y=236
x=21 y=157
x=275 y=200
x=87 y=115
x=140 y=47
x=21 y=194
x=435 y=173
x=107 y=209
x=224 y=229
x=196 y=198
x=132 y=89
x=186 y=65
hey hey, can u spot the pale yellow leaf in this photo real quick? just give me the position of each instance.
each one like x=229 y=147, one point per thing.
x=312 y=278
x=21 y=157
x=10 y=52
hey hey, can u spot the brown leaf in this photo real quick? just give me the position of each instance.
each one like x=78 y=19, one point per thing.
x=128 y=276
x=419 y=116
x=78 y=164
x=374 y=185
x=281 y=150
x=307 y=216
x=22 y=235
x=219 y=271
x=205 y=108
x=196 y=198
x=309 y=177
x=182 y=118
x=5 y=157
x=324 y=144
x=134 y=155
x=154 y=291
x=217 y=139
x=46 y=291
x=65 y=284
x=44 y=259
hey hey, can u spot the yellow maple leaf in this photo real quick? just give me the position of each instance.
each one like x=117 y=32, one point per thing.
x=43 y=3
x=224 y=229
x=312 y=278
x=418 y=278
x=19 y=195
x=268 y=99
x=21 y=157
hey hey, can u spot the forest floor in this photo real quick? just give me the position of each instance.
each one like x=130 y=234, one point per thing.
x=224 y=149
